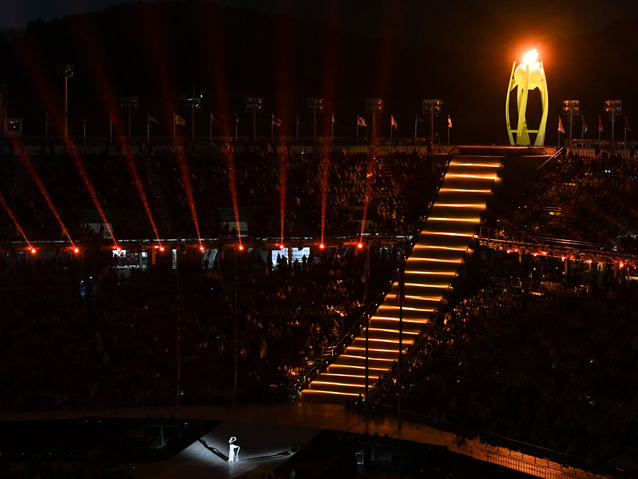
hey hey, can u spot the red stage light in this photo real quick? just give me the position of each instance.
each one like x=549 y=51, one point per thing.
x=241 y=247
x=33 y=250
x=359 y=245
x=161 y=248
x=76 y=250
x=622 y=265
x=322 y=246
x=281 y=246
x=201 y=247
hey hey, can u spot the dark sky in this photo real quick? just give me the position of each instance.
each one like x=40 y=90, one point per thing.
x=361 y=16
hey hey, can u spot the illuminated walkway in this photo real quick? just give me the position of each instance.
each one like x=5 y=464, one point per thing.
x=436 y=258
x=289 y=421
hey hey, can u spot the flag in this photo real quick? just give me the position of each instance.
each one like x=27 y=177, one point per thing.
x=418 y=120
x=112 y=119
x=361 y=121
x=333 y=118
x=583 y=124
x=600 y=123
x=393 y=122
x=449 y=122
x=152 y=119
x=276 y=121
x=179 y=120
x=627 y=124
x=213 y=120
x=401 y=283
x=560 y=125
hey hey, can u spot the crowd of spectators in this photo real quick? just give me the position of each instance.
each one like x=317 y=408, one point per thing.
x=349 y=180
x=75 y=335
x=554 y=371
x=589 y=200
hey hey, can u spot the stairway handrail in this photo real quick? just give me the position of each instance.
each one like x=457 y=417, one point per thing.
x=470 y=433
x=555 y=155
x=303 y=381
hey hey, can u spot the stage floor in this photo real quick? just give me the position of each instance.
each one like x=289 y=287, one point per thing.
x=263 y=448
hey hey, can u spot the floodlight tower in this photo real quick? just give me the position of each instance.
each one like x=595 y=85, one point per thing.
x=254 y=104
x=66 y=72
x=314 y=105
x=613 y=108
x=374 y=105
x=432 y=107
x=192 y=104
x=571 y=108
x=528 y=76
x=130 y=103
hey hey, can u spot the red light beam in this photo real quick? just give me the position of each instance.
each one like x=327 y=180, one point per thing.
x=186 y=178
x=43 y=191
x=15 y=221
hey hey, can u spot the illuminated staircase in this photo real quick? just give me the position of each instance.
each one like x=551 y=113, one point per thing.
x=435 y=260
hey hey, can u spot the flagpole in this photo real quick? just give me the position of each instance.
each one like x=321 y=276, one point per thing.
x=626 y=125
x=367 y=330
x=401 y=293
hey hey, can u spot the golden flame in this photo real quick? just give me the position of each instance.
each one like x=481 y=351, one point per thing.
x=530 y=56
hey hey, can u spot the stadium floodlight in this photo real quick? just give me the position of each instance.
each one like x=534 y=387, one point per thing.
x=613 y=108
x=374 y=105
x=65 y=72
x=571 y=108
x=193 y=103
x=254 y=104
x=314 y=105
x=129 y=103
x=432 y=107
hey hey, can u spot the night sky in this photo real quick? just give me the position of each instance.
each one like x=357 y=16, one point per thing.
x=346 y=51
x=569 y=16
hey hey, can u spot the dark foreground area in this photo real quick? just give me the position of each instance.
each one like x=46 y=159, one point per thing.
x=111 y=448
